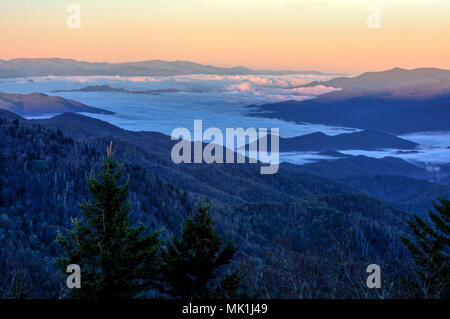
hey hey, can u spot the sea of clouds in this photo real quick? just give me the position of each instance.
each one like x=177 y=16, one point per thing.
x=219 y=101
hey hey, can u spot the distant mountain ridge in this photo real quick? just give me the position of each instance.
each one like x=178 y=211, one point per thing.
x=367 y=140
x=68 y=67
x=109 y=89
x=36 y=104
x=363 y=140
x=370 y=112
x=389 y=79
x=395 y=101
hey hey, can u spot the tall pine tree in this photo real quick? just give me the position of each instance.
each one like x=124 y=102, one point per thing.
x=431 y=253
x=195 y=263
x=116 y=259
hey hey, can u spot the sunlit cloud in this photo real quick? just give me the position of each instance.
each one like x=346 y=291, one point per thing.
x=315 y=90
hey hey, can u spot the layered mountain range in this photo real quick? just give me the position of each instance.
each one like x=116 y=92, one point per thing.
x=69 y=67
x=157 y=148
x=389 y=79
x=292 y=213
x=394 y=101
x=323 y=221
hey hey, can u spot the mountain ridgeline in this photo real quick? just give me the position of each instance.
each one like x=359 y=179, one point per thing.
x=36 y=104
x=362 y=140
x=397 y=101
x=69 y=67
x=391 y=79
x=290 y=220
x=309 y=231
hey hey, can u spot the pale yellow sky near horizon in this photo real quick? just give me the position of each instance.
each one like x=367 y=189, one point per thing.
x=322 y=35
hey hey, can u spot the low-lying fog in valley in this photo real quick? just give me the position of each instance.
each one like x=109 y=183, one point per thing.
x=164 y=103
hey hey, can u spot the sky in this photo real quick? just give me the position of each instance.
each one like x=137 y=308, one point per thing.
x=325 y=35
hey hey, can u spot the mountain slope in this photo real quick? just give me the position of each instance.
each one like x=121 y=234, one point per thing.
x=291 y=214
x=152 y=151
x=405 y=186
x=361 y=165
x=405 y=193
x=382 y=110
x=40 y=104
x=389 y=79
x=394 y=101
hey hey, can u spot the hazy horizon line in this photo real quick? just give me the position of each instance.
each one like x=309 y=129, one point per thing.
x=225 y=66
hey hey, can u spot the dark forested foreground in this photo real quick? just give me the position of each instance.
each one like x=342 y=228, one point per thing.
x=146 y=232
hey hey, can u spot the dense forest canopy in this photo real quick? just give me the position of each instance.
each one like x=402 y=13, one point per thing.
x=297 y=235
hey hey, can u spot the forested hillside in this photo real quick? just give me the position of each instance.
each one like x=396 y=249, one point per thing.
x=298 y=235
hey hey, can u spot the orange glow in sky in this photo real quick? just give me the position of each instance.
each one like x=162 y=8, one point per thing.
x=322 y=35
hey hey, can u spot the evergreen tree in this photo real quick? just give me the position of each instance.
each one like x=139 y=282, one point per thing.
x=116 y=259
x=195 y=262
x=431 y=253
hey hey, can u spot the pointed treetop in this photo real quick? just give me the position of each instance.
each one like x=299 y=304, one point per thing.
x=109 y=151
